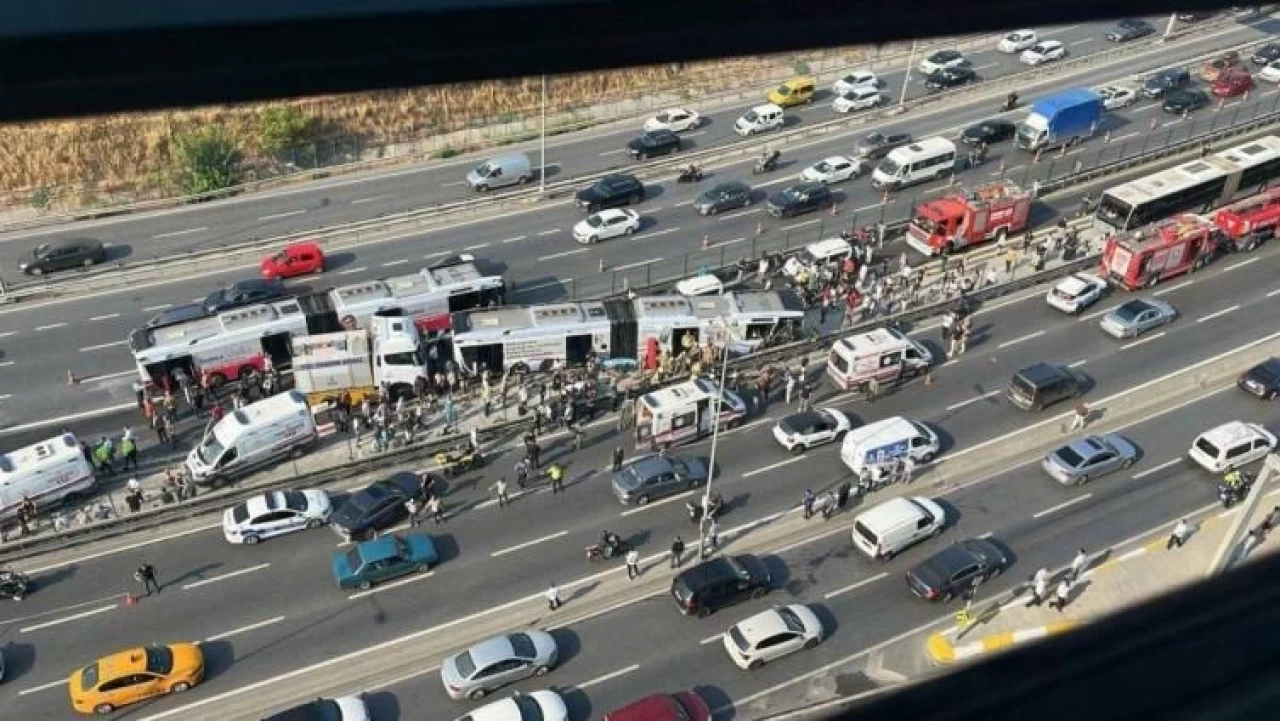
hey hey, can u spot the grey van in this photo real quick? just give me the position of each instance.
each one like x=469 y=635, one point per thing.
x=501 y=171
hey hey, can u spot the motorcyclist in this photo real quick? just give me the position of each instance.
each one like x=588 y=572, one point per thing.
x=1233 y=479
x=1010 y=101
x=609 y=543
x=714 y=502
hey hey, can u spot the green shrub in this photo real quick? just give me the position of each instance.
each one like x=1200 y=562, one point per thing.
x=206 y=159
x=284 y=126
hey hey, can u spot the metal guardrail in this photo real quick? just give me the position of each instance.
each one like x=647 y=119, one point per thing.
x=84 y=281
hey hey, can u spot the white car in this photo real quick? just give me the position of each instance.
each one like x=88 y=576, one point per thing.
x=1017 y=41
x=275 y=514
x=1115 y=97
x=539 y=705
x=770 y=635
x=834 y=169
x=856 y=79
x=677 y=120
x=939 y=60
x=1043 y=52
x=799 y=432
x=1234 y=444
x=1076 y=292
x=859 y=98
x=606 y=224
x=1270 y=72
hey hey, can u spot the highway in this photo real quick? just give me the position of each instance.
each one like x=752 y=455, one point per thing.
x=42 y=340
x=272 y=608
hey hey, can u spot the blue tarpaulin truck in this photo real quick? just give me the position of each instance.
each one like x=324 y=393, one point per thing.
x=1064 y=118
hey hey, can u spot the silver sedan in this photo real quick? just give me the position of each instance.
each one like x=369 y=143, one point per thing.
x=499 y=661
x=1137 y=317
x=1080 y=461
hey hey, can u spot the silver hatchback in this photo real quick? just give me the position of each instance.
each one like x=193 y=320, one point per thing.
x=499 y=661
x=1087 y=458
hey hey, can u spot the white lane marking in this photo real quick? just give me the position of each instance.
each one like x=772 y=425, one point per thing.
x=629 y=266
x=1126 y=136
x=1241 y=264
x=454 y=184
x=43 y=687
x=516 y=239
x=1016 y=341
x=608 y=676
x=105 y=317
x=1201 y=319
x=1157 y=469
x=703 y=642
x=526 y=544
x=1171 y=289
x=1078 y=363
x=725 y=242
x=401 y=679
x=988 y=65
x=1097 y=313
x=553 y=231
x=121 y=549
x=68 y=619
x=660 y=232
x=100 y=346
x=50 y=326
x=5 y=363
x=561 y=255
x=1060 y=506
x=8 y=333
x=663 y=502
x=962 y=404
x=162 y=306
x=540 y=286
x=414 y=578
x=856 y=585
x=277 y=216
x=1145 y=108
x=772 y=466
x=390 y=263
x=477 y=246
x=801 y=225
x=1082 y=41
x=349 y=271
x=683 y=203
x=225 y=576
x=613 y=152
x=738 y=214
x=1274 y=292
x=105 y=376
x=1140 y=341
x=369 y=199
x=176 y=233
x=987 y=535
x=6 y=396
x=243 y=629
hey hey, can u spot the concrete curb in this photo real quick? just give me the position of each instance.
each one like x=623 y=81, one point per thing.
x=943 y=652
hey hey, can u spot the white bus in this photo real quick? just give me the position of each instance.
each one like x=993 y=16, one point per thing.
x=50 y=472
x=1196 y=186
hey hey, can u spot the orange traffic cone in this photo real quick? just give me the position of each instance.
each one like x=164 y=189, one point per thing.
x=928 y=379
x=706 y=241
x=129 y=599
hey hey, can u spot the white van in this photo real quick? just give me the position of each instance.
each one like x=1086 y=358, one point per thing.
x=253 y=436
x=1235 y=444
x=877 y=445
x=817 y=254
x=884 y=354
x=50 y=472
x=501 y=171
x=759 y=119
x=918 y=162
x=897 y=524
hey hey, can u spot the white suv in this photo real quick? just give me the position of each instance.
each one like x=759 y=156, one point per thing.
x=1231 y=445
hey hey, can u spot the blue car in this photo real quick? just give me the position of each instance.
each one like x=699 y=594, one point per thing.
x=383 y=559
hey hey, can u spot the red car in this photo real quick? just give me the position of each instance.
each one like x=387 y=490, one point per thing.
x=1232 y=83
x=683 y=706
x=295 y=260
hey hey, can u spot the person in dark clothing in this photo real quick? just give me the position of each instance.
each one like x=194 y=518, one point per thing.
x=146 y=575
x=677 y=552
x=617 y=459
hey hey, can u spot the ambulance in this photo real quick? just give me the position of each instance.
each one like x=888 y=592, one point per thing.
x=683 y=412
x=252 y=437
x=50 y=472
x=883 y=354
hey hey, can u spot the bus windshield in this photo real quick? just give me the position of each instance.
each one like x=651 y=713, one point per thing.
x=1114 y=212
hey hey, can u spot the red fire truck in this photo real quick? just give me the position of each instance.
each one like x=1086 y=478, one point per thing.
x=969 y=217
x=1248 y=223
x=1142 y=257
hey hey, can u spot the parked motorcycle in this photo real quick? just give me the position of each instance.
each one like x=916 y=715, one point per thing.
x=614 y=548
x=1230 y=496
x=767 y=164
x=14 y=585
x=691 y=174
x=695 y=511
x=458 y=461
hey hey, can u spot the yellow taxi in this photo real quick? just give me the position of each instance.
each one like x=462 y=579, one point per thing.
x=793 y=92
x=135 y=675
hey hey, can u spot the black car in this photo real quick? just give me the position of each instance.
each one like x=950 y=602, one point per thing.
x=1131 y=29
x=1195 y=17
x=322 y=709
x=951 y=78
x=1185 y=101
x=177 y=314
x=1265 y=54
x=1041 y=385
x=880 y=144
x=798 y=199
x=956 y=569
x=378 y=506
x=719 y=583
x=245 y=292
x=1262 y=380
x=988 y=131
x=611 y=191
x=1166 y=81
x=654 y=142
x=63 y=255
x=725 y=196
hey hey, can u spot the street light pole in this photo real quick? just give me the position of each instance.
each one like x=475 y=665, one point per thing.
x=1168 y=29
x=542 y=140
x=715 y=437
x=906 y=79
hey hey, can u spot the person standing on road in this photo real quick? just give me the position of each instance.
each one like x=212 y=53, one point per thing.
x=556 y=474
x=807 y=504
x=713 y=535
x=1081 y=418
x=146 y=575
x=633 y=564
x=1179 y=536
x=522 y=472
x=1061 y=595
x=129 y=449
x=437 y=513
x=412 y=508
x=500 y=489
x=791 y=387
x=1077 y=565
x=553 y=597
x=616 y=461
x=908 y=468
x=805 y=403
x=1039 y=588
x=677 y=552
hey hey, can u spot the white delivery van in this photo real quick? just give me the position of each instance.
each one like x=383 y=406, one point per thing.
x=500 y=171
x=1235 y=444
x=897 y=524
x=883 y=354
x=918 y=162
x=876 y=446
x=759 y=119
x=50 y=472
x=249 y=438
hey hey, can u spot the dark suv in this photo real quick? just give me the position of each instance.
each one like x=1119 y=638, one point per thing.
x=611 y=191
x=245 y=292
x=1166 y=81
x=956 y=569
x=798 y=199
x=75 y=253
x=1043 y=384
x=719 y=583
x=1265 y=54
x=951 y=78
x=1131 y=29
x=654 y=142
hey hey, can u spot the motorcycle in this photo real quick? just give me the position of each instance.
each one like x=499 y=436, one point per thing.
x=1010 y=102
x=602 y=552
x=695 y=509
x=691 y=174
x=1230 y=496
x=767 y=164
x=14 y=585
